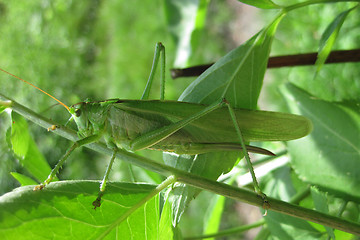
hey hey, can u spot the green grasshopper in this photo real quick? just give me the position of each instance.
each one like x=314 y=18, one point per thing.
x=179 y=127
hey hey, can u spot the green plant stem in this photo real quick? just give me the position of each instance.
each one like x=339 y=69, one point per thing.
x=342 y=208
x=230 y=231
x=311 y=2
x=239 y=194
x=295 y=199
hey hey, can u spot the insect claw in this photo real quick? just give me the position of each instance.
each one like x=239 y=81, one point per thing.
x=266 y=203
x=52 y=128
x=97 y=202
x=225 y=101
x=39 y=187
x=266 y=206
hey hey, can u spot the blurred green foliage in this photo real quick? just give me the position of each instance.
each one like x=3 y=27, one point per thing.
x=300 y=32
x=77 y=50
x=103 y=49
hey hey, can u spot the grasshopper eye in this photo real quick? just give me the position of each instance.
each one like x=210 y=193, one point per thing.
x=77 y=112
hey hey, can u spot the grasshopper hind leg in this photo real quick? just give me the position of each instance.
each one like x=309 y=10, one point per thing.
x=159 y=53
x=266 y=204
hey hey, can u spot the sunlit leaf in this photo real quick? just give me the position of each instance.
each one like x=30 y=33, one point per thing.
x=321 y=204
x=196 y=36
x=64 y=211
x=165 y=225
x=214 y=214
x=265 y=4
x=2 y=108
x=25 y=148
x=20 y=136
x=329 y=37
x=185 y=20
x=22 y=179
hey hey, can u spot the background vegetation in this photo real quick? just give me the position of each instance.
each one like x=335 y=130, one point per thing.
x=103 y=49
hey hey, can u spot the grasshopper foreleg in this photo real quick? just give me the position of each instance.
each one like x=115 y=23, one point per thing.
x=75 y=145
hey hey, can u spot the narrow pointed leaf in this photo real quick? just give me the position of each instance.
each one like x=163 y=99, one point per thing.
x=22 y=179
x=165 y=226
x=214 y=213
x=265 y=4
x=2 y=108
x=329 y=37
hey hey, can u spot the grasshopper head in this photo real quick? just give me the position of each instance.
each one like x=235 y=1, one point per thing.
x=90 y=117
x=79 y=113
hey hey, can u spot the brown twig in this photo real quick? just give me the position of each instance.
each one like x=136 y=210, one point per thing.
x=340 y=56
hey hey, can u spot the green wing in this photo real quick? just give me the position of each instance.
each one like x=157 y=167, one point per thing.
x=217 y=127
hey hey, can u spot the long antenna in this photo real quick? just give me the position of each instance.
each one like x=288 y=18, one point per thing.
x=36 y=88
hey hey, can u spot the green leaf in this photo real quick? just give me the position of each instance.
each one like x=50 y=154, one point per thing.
x=329 y=36
x=63 y=210
x=20 y=136
x=321 y=204
x=199 y=26
x=286 y=227
x=213 y=216
x=279 y=185
x=4 y=105
x=181 y=194
x=320 y=200
x=239 y=75
x=166 y=231
x=22 y=179
x=206 y=165
x=329 y=156
x=265 y=4
x=186 y=19
x=212 y=220
x=25 y=148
